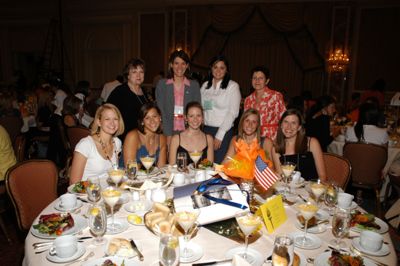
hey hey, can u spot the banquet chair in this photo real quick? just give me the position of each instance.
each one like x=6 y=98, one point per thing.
x=367 y=163
x=31 y=185
x=75 y=134
x=338 y=169
x=4 y=206
x=19 y=147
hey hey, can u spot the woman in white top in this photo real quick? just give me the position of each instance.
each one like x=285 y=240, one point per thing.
x=98 y=152
x=366 y=129
x=220 y=97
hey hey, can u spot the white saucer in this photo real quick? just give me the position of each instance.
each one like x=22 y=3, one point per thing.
x=139 y=207
x=382 y=252
x=58 y=207
x=383 y=227
x=121 y=224
x=315 y=241
x=313 y=230
x=352 y=206
x=323 y=260
x=81 y=250
x=322 y=215
x=253 y=256
x=298 y=184
x=196 y=249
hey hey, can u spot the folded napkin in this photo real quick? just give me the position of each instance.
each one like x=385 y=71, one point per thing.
x=148 y=184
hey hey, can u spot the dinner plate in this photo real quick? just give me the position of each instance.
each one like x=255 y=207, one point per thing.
x=134 y=253
x=382 y=252
x=195 y=248
x=384 y=227
x=79 y=252
x=80 y=223
x=114 y=259
x=140 y=207
x=316 y=242
x=70 y=190
x=120 y=223
x=58 y=207
x=253 y=256
x=323 y=260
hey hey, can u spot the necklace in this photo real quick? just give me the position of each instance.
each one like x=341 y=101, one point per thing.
x=104 y=149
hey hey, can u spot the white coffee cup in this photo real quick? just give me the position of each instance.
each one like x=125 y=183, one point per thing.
x=371 y=241
x=64 y=246
x=200 y=175
x=158 y=195
x=179 y=179
x=68 y=201
x=345 y=200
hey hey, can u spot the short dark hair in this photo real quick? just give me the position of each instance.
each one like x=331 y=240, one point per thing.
x=142 y=114
x=133 y=63
x=182 y=55
x=262 y=69
x=227 y=77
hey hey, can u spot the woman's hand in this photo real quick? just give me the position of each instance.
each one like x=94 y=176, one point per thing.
x=217 y=144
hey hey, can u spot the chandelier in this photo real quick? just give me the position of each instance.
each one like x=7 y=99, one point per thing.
x=338 y=61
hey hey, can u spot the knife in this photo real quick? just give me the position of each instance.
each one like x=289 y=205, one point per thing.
x=211 y=262
x=135 y=248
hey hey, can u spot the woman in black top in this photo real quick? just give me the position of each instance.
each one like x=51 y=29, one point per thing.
x=291 y=144
x=192 y=138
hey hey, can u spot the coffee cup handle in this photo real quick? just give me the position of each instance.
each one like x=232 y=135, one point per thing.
x=52 y=251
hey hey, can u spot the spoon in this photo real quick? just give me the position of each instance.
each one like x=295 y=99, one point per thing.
x=91 y=254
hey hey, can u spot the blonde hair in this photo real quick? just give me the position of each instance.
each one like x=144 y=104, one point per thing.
x=246 y=114
x=107 y=106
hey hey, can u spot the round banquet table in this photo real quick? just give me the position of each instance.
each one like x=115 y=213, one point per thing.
x=214 y=245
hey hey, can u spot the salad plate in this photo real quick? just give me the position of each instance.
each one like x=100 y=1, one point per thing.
x=114 y=259
x=323 y=260
x=80 y=223
x=79 y=252
x=79 y=188
x=383 y=227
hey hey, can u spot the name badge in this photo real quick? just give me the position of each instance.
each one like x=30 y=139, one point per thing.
x=178 y=110
x=208 y=105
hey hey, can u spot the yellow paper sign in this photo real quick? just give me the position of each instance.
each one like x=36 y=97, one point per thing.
x=273 y=213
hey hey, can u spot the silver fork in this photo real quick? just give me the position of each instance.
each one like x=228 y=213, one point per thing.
x=88 y=256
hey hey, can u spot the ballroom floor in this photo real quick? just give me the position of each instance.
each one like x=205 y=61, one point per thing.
x=12 y=254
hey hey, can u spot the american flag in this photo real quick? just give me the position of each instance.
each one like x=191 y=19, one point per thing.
x=264 y=175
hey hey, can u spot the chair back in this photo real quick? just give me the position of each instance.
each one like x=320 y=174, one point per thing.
x=75 y=134
x=19 y=147
x=367 y=162
x=338 y=169
x=13 y=125
x=31 y=185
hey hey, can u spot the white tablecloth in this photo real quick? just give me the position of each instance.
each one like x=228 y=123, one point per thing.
x=214 y=245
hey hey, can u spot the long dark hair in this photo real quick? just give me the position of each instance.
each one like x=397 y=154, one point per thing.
x=227 y=77
x=182 y=55
x=142 y=114
x=368 y=115
x=301 y=139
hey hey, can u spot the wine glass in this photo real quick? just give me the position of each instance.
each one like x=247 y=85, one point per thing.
x=248 y=223
x=340 y=227
x=195 y=156
x=307 y=210
x=181 y=161
x=331 y=197
x=283 y=249
x=287 y=170
x=147 y=162
x=111 y=196
x=93 y=189
x=318 y=189
x=131 y=169
x=98 y=223
x=116 y=175
x=169 y=250
x=186 y=216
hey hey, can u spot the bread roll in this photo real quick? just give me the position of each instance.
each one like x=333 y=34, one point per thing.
x=158 y=207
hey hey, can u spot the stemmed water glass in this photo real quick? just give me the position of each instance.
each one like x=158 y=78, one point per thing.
x=248 y=223
x=331 y=197
x=181 y=161
x=147 y=162
x=287 y=170
x=318 y=189
x=186 y=216
x=195 y=156
x=340 y=227
x=111 y=196
x=98 y=223
x=307 y=210
x=131 y=169
x=169 y=250
x=93 y=189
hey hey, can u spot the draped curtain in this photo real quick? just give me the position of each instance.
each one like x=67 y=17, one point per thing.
x=290 y=39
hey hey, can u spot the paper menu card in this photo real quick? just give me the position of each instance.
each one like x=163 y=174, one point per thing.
x=273 y=212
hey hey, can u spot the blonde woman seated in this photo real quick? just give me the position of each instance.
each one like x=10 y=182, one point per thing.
x=293 y=145
x=249 y=129
x=192 y=138
x=147 y=139
x=98 y=152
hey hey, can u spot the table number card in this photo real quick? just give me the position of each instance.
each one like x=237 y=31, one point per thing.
x=273 y=213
